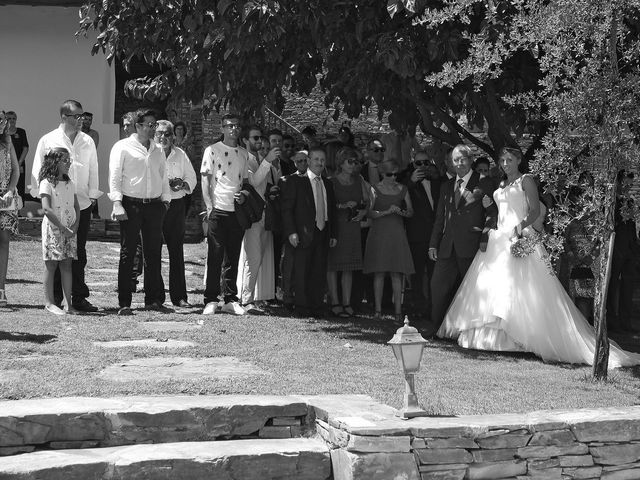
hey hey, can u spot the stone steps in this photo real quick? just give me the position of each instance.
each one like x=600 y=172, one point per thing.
x=299 y=458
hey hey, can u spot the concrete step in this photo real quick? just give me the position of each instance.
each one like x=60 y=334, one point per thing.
x=299 y=459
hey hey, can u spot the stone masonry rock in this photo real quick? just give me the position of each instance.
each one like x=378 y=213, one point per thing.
x=607 y=431
x=552 y=437
x=579 y=473
x=632 y=474
x=331 y=435
x=576 y=461
x=358 y=443
x=443 y=455
x=444 y=475
x=508 y=440
x=302 y=459
x=496 y=470
x=373 y=466
x=552 y=451
x=455 y=442
x=615 y=454
x=494 y=455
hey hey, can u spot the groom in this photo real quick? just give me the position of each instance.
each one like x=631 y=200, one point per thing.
x=460 y=228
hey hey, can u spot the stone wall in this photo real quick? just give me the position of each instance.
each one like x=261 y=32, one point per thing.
x=368 y=442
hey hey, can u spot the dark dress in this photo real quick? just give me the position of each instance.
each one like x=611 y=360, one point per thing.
x=346 y=256
x=387 y=246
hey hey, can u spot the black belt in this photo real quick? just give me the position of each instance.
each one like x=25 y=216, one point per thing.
x=142 y=200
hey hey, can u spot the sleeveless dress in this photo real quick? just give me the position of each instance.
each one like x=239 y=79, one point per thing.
x=346 y=256
x=8 y=218
x=387 y=247
x=517 y=304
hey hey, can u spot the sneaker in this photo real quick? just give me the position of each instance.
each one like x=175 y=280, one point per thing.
x=210 y=308
x=252 y=309
x=51 y=308
x=125 y=311
x=233 y=308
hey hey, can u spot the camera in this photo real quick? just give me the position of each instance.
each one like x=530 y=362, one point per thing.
x=273 y=192
x=354 y=211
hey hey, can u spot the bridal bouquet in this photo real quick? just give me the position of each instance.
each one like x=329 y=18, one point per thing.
x=524 y=246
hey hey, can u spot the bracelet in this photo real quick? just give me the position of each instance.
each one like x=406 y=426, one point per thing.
x=519 y=229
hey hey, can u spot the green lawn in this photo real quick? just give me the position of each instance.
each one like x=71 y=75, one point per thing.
x=42 y=355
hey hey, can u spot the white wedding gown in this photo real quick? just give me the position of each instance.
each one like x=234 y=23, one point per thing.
x=517 y=304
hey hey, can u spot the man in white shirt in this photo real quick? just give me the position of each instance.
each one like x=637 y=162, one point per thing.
x=84 y=173
x=225 y=166
x=182 y=180
x=139 y=189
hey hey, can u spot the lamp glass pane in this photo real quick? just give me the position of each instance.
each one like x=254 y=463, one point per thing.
x=412 y=354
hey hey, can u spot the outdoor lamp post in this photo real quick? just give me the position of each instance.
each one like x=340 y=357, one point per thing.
x=408 y=345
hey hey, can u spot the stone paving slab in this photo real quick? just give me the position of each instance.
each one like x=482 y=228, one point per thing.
x=146 y=343
x=301 y=458
x=169 y=326
x=138 y=419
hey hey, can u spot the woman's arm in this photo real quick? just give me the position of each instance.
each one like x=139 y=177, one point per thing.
x=15 y=168
x=375 y=213
x=409 y=211
x=49 y=212
x=531 y=192
x=76 y=207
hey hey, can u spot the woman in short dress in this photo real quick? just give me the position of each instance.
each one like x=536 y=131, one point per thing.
x=9 y=174
x=387 y=248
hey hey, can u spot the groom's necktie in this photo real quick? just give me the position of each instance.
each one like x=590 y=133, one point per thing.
x=458 y=193
x=320 y=206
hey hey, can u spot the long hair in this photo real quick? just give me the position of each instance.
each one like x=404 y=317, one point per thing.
x=4 y=134
x=50 y=165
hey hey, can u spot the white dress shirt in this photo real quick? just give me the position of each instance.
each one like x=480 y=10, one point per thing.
x=464 y=179
x=312 y=177
x=179 y=166
x=84 y=164
x=136 y=171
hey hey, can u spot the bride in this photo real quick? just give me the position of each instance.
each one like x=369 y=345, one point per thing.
x=508 y=303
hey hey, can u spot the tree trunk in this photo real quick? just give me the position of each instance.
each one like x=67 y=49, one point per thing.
x=601 y=355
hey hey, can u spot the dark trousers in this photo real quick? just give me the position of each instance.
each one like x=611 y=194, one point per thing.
x=310 y=272
x=145 y=218
x=286 y=270
x=173 y=230
x=421 y=262
x=278 y=245
x=224 y=241
x=138 y=264
x=620 y=296
x=447 y=275
x=79 y=289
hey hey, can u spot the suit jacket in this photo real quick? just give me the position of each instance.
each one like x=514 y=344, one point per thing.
x=420 y=226
x=461 y=227
x=299 y=208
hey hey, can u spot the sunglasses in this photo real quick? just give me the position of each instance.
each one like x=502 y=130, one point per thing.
x=231 y=126
x=380 y=149
x=353 y=161
x=391 y=174
x=77 y=116
x=256 y=138
x=164 y=134
x=151 y=125
x=421 y=163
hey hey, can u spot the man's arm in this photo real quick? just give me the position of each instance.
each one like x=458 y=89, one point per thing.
x=208 y=178
x=190 y=179
x=491 y=212
x=115 y=182
x=35 y=168
x=94 y=185
x=438 y=225
x=288 y=195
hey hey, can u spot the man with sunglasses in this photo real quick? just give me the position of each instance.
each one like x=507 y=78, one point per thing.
x=139 y=189
x=84 y=173
x=423 y=181
x=374 y=156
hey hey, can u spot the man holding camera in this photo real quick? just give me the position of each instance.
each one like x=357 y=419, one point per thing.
x=423 y=182
x=182 y=180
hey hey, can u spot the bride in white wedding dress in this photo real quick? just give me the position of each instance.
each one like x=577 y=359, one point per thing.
x=508 y=303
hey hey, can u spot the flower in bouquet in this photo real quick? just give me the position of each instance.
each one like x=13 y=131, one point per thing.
x=525 y=245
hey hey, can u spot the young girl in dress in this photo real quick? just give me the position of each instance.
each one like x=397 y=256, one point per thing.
x=59 y=227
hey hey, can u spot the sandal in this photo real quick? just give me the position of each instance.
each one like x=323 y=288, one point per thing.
x=3 y=298
x=336 y=310
x=348 y=310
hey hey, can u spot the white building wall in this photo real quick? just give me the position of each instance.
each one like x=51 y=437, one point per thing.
x=41 y=65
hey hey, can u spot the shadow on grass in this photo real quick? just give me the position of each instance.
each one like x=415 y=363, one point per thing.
x=22 y=280
x=27 y=337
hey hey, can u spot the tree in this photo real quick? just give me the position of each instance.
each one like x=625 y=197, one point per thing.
x=245 y=52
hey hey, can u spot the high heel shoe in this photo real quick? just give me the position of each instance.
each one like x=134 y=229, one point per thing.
x=3 y=298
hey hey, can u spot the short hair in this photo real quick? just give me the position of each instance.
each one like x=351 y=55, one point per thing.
x=388 y=166
x=288 y=137
x=344 y=154
x=317 y=149
x=88 y=114
x=128 y=116
x=309 y=130
x=138 y=115
x=67 y=105
x=275 y=131
x=461 y=148
x=421 y=152
x=482 y=160
x=247 y=128
x=165 y=123
x=229 y=116
x=180 y=124
x=11 y=112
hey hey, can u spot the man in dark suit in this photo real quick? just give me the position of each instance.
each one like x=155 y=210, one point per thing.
x=423 y=182
x=308 y=213
x=461 y=227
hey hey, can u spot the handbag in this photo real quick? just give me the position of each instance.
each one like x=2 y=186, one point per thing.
x=13 y=205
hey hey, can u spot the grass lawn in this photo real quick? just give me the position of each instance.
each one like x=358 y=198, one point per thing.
x=46 y=356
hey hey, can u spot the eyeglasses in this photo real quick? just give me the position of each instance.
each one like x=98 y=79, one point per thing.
x=150 y=125
x=164 y=134
x=422 y=163
x=378 y=149
x=65 y=160
x=76 y=117
x=231 y=126
x=391 y=174
x=287 y=145
x=352 y=161
x=255 y=138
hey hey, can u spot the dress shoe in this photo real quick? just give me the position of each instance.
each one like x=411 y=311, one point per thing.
x=125 y=311
x=252 y=309
x=83 y=305
x=233 y=308
x=157 y=307
x=184 y=304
